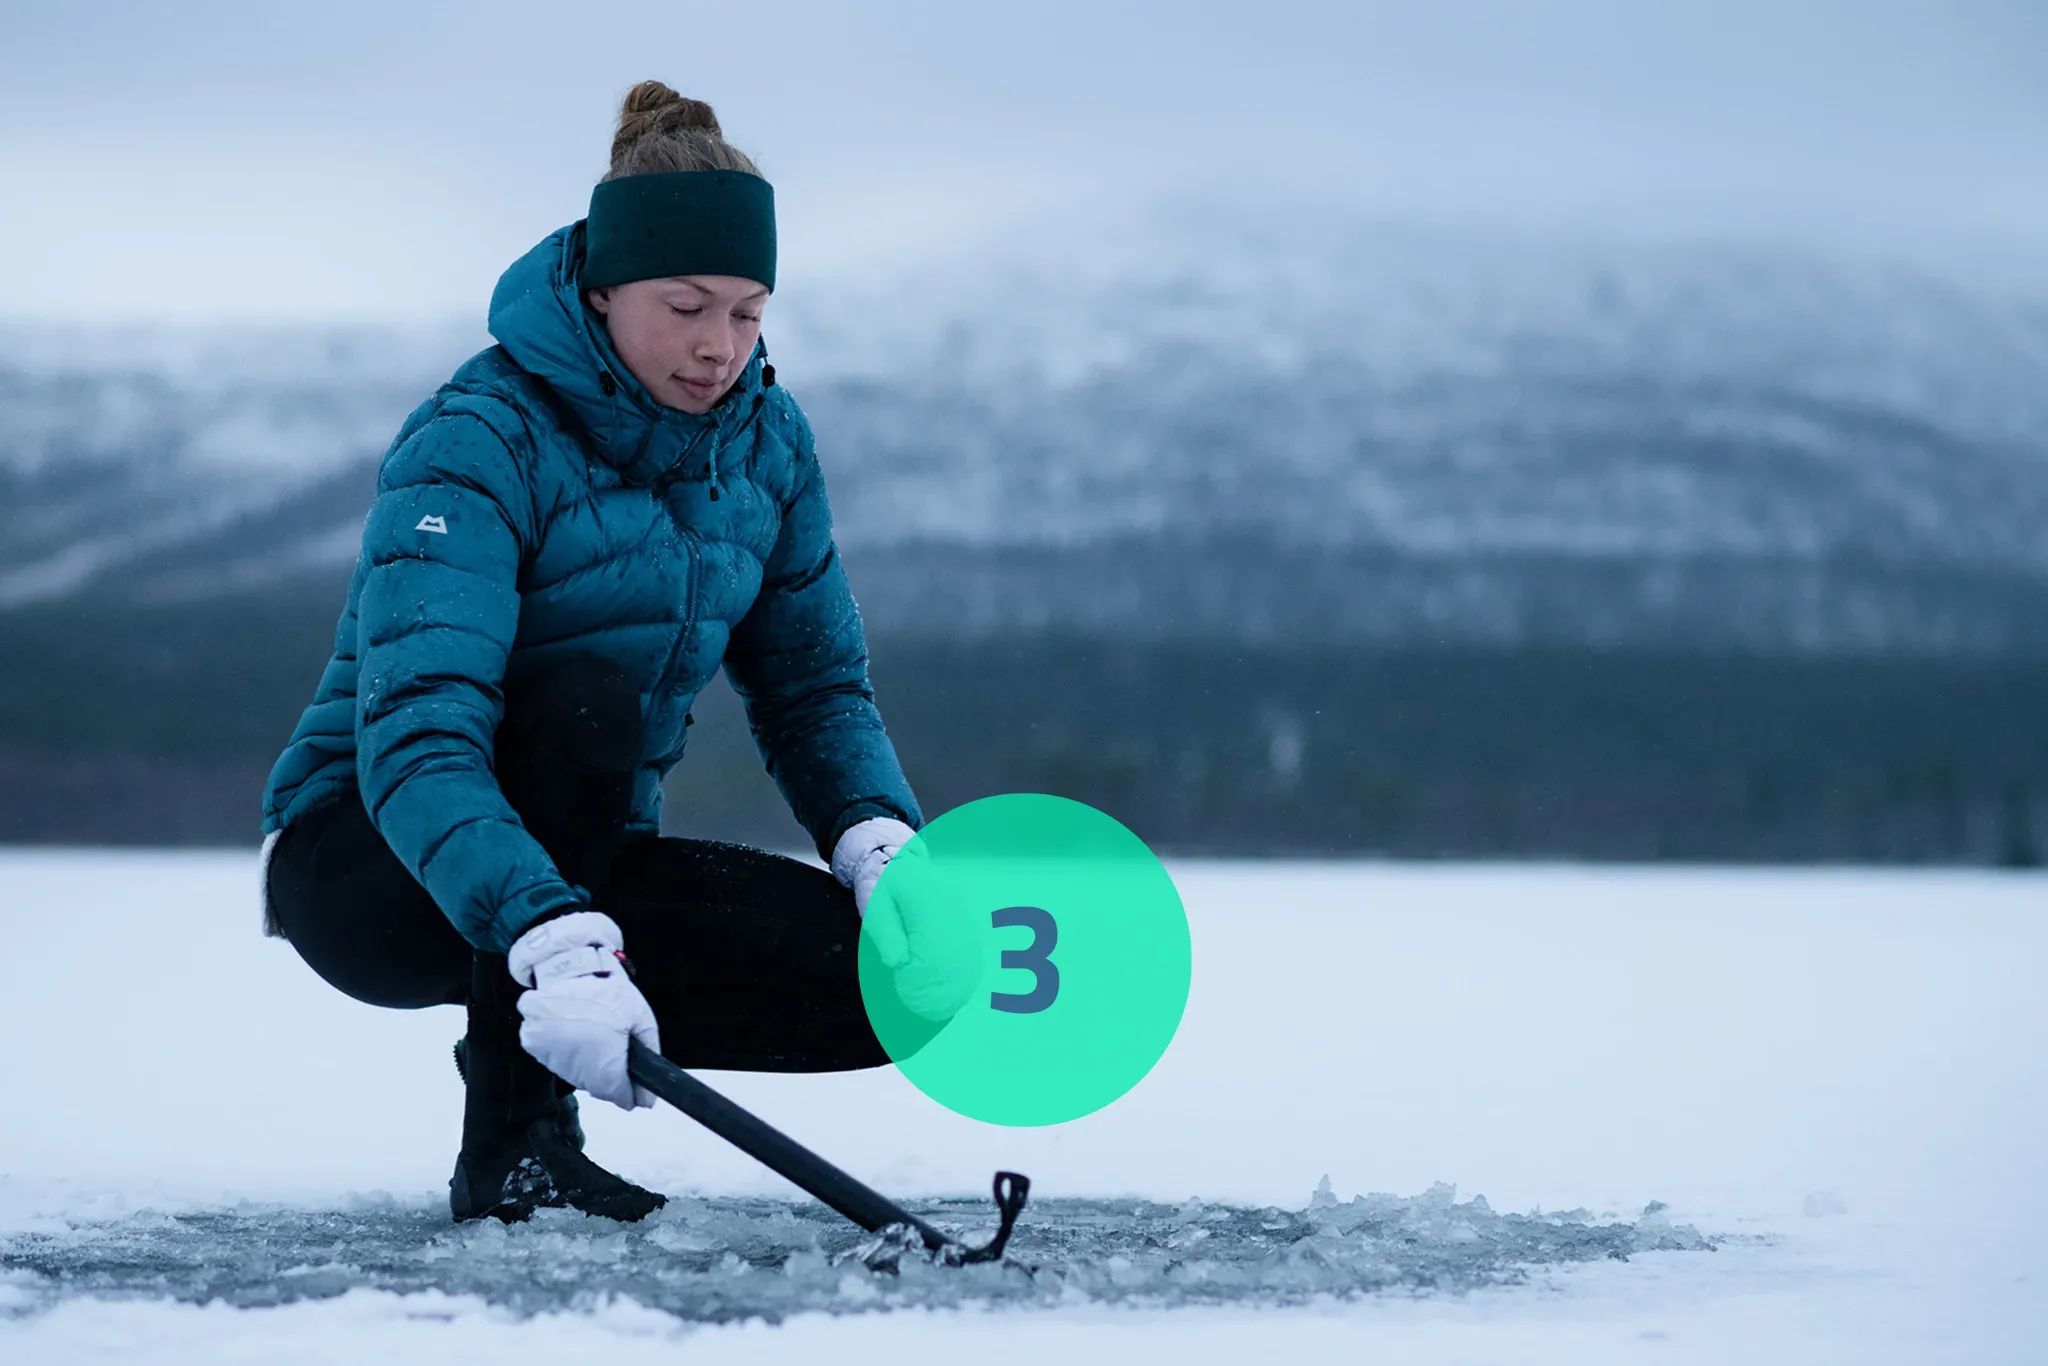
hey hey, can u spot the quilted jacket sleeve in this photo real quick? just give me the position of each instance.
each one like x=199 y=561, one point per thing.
x=799 y=660
x=436 y=619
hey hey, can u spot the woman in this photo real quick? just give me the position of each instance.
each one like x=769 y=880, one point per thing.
x=568 y=540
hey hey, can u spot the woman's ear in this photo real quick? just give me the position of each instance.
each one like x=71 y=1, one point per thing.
x=599 y=300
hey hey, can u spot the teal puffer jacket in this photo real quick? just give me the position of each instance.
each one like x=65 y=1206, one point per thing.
x=542 y=504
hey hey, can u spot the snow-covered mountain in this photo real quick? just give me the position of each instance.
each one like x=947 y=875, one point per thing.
x=1200 y=426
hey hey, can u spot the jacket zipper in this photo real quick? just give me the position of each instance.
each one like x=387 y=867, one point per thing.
x=693 y=544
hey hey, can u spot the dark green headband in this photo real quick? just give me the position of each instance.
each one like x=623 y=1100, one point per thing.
x=645 y=227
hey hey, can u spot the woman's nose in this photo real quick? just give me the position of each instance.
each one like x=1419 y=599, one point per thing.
x=716 y=346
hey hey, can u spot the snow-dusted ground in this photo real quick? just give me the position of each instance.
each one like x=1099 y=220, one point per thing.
x=1836 y=1076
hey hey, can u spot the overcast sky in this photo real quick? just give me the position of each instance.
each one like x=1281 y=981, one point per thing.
x=378 y=159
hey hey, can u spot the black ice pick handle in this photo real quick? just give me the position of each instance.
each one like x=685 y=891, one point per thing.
x=776 y=1150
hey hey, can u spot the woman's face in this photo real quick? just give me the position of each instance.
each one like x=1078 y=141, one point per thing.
x=686 y=337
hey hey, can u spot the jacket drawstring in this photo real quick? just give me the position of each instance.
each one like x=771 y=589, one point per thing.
x=718 y=442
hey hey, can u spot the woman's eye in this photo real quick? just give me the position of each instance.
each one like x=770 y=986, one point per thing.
x=748 y=317
x=684 y=312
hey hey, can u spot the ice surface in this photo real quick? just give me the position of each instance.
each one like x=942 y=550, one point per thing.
x=723 y=1259
x=1833 y=1075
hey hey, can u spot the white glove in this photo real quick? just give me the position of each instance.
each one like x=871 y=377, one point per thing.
x=583 y=1009
x=923 y=938
x=864 y=851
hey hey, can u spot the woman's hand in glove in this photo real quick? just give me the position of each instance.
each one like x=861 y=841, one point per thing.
x=922 y=934
x=583 y=1010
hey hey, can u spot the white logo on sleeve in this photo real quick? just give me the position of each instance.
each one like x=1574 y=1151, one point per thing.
x=437 y=525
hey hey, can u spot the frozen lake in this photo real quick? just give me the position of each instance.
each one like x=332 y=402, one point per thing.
x=1832 y=1081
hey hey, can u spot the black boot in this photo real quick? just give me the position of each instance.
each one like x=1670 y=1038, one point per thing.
x=568 y=1115
x=522 y=1148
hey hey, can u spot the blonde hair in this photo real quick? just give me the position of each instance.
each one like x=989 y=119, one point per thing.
x=660 y=130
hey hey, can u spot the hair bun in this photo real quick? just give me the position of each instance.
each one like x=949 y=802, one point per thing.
x=661 y=130
x=652 y=109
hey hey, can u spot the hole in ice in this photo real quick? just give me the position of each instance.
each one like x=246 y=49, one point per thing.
x=719 y=1259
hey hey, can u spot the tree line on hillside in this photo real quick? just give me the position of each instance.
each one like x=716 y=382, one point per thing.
x=156 y=723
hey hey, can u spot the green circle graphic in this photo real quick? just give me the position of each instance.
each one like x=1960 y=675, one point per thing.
x=1082 y=950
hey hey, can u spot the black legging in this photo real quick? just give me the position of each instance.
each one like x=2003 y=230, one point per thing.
x=746 y=957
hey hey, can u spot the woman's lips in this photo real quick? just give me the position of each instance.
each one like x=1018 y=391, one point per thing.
x=703 y=388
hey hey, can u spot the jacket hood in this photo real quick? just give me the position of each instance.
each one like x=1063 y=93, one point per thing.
x=539 y=317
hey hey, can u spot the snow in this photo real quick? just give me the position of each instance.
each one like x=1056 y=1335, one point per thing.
x=1447 y=394
x=1833 y=1075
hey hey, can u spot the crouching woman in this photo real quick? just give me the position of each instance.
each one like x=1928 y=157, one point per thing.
x=569 y=539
